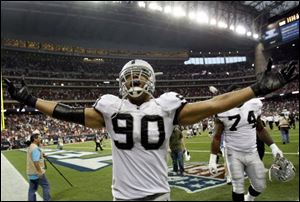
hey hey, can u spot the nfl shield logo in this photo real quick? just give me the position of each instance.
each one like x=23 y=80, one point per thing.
x=197 y=178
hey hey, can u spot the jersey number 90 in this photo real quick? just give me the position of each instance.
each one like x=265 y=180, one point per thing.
x=128 y=131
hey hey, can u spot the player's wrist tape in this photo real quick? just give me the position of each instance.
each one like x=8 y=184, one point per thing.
x=213 y=158
x=31 y=101
x=257 y=90
x=67 y=113
x=274 y=147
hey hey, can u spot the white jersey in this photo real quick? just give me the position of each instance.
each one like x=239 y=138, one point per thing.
x=240 y=126
x=270 y=118
x=140 y=140
x=276 y=118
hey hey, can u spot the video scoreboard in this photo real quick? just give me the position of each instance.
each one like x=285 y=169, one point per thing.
x=281 y=31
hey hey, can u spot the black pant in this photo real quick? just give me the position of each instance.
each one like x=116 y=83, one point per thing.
x=260 y=148
x=98 y=145
x=271 y=125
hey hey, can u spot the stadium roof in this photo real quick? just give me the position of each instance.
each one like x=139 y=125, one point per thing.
x=271 y=7
x=104 y=25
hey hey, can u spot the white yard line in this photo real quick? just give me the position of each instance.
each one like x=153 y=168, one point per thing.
x=13 y=185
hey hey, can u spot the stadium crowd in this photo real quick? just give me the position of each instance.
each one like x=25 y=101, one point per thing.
x=19 y=127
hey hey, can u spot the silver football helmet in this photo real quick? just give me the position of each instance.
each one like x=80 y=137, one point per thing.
x=132 y=75
x=282 y=170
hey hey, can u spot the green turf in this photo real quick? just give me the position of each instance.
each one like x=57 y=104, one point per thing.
x=96 y=185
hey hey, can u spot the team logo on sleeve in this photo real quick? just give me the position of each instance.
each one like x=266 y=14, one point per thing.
x=197 y=177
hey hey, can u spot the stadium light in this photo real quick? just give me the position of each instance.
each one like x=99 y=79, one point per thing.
x=213 y=21
x=293 y=44
x=222 y=25
x=155 y=6
x=231 y=27
x=158 y=73
x=142 y=4
x=249 y=33
x=168 y=9
x=192 y=15
x=178 y=12
x=240 y=30
x=255 y=36
x=202 y=17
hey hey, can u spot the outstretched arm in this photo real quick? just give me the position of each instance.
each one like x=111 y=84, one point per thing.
x=85 y=116
x=194 y=112
x=267 y=82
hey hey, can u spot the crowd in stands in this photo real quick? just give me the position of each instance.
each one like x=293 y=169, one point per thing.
x=279 y=104
x=49 y=47
x=19 y=127
x=94 y=94
x=196 y=78
x=52 y=66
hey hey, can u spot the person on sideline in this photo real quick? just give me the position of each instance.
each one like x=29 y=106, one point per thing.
x=177 y=146
x=36 y=168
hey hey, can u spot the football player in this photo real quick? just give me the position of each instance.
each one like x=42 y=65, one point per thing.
x=240 y=126
x=140 y=125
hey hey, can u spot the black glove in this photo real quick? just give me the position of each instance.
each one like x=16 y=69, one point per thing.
x=22 y=95
x=269 y=81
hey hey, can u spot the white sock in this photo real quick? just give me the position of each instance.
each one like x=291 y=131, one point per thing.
x=249 y=197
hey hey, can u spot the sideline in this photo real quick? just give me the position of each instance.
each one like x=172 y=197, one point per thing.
x=13 y=185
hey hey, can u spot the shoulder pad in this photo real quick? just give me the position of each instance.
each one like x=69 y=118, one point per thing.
x=171 y=101
x=107 y=104
x=256 y=104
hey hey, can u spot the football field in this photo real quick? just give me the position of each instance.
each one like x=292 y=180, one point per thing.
x=90 y=172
